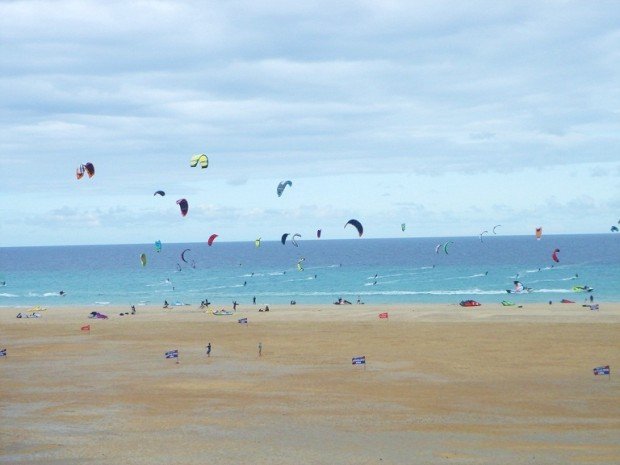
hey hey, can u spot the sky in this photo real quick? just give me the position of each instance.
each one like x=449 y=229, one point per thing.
x=448 y=116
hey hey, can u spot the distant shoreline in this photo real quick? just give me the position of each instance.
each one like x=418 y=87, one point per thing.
x=277 y=240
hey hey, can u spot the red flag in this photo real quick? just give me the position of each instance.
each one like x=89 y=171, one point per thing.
x=85 y=328
x=383 y=315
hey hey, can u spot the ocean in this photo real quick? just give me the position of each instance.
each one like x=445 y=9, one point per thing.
x=375 y=271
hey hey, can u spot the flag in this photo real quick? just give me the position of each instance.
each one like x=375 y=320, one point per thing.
x=243 y=321
x=172 y=354
x=85 y=328
x=383 y=315
x=2 y=352
x=604 y=370
x=359 y=360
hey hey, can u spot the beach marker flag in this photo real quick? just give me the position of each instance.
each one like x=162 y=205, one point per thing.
x=243 y=321
x=383 y=315
x=361 y=360
x=2 y=352
x=172 y=354
x=603 y=370
x=85 y=328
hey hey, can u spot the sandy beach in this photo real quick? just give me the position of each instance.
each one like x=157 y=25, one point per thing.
x=442 y=384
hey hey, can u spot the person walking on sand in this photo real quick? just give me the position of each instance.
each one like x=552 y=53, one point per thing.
x=209 y=349
x=260 y=349
x=254 y=300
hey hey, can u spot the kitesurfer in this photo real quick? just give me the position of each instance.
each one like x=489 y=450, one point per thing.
x=165 y=304
x=62 y=293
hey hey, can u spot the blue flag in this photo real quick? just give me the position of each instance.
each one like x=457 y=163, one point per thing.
x=243 y=321
x=172 y=354
x=359 y=360
x=604 y=370
x=2 y=352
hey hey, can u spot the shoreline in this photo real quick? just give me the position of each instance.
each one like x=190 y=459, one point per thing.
x=569 y=313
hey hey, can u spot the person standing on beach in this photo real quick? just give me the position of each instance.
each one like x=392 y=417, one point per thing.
x=254 y=300
x=209 y=349
x=260 y=349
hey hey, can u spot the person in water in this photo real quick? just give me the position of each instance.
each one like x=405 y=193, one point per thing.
x=165 y=304
x=62 y=293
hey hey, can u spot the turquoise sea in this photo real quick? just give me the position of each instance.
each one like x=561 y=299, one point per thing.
x=374 y=270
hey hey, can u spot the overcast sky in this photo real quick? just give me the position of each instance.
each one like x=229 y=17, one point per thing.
x=451 y=117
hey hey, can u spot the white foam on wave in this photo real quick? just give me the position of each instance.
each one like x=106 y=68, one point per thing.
x=554 y=291
x=6 y=294
x=45 y=294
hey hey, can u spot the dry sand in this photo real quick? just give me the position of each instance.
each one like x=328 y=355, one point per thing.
x=442 y=385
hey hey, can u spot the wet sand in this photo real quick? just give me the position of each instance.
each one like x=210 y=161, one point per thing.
x=442 y=384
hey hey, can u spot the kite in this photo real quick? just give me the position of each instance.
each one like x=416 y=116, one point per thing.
x=183 y=255
x=357 y=225
x=437 y=248
x=445 y=246
x=283 y=238
x=282 y=185
x=211 y=239
x=162 y=193
x=495 y=227
x=538 y=233
x=318 y=233
x=554 y=255
x=299 y=264
x=182 y=203
x=257 y=242
x=403 y=226
x=158 y=246
x=200 y=158
x=483 y=232
x=89 y=168
x=143 y=259
x=293 y=239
